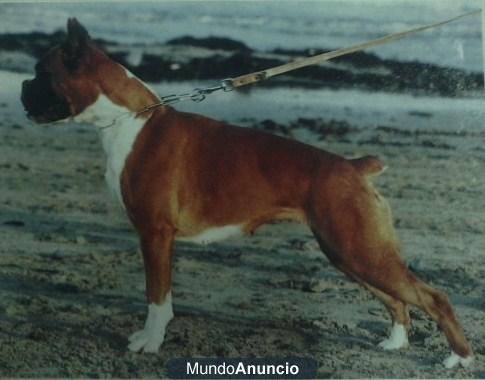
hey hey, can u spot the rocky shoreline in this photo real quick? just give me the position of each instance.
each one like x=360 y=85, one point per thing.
x=215 y=58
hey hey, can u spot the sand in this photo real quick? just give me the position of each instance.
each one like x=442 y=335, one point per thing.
x=72 y=281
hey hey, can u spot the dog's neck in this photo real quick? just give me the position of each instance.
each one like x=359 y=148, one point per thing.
x=118 y=100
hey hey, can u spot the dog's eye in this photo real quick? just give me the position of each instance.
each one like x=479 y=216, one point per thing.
x=71 y=60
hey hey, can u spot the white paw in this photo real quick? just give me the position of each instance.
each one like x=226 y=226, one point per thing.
x=151 y=337
x=146 y=340
x=455 y=359
x=398 y=338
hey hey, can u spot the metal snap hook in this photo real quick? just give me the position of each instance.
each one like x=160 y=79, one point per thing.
x=227 y=85
x=197 y=96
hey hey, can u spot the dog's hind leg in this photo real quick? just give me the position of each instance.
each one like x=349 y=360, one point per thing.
x=389 y=275
x=401 y=284
x=156 y=245
x=398 y=310
x=355 y=231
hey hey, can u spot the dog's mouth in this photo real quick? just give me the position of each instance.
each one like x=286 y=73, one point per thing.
x=51 y=114
x=41 y=103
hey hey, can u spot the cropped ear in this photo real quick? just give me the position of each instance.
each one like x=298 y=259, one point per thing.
x=75 y=44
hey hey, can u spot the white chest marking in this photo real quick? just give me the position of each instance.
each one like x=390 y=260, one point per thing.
x=214 y=234
x=117 y=140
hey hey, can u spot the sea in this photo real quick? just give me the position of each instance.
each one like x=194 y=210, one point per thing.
x=270 y=24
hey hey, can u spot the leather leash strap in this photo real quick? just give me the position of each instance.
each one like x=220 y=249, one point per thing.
x=258 y=76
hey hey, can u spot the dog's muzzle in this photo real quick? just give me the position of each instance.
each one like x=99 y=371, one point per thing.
x=41 y=102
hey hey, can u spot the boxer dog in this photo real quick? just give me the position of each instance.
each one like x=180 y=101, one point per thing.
x=187 y=177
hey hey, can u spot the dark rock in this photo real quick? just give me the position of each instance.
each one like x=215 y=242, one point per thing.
x=214 y=43
x=14 y=223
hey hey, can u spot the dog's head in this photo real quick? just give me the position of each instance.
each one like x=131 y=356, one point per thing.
x=67 y=78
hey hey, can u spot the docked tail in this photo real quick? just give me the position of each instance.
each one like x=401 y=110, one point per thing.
x=368 y=165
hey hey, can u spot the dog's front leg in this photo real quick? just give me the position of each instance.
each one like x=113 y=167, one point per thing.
x=156 y=245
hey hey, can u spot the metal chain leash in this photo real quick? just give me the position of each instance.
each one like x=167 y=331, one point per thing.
x=197 y=95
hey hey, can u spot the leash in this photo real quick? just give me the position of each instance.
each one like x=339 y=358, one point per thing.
x=229 y=84
x=265 y=74
x=197 y=95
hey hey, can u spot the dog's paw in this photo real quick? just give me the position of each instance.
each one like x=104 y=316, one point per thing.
x=455 y=359
x=151 y=337
x=146 y=340
x=398 y=338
